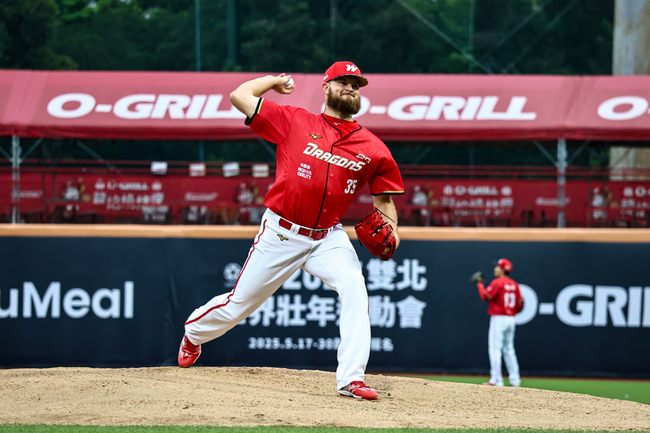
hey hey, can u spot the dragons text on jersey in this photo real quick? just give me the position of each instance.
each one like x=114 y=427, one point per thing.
x=313 y=150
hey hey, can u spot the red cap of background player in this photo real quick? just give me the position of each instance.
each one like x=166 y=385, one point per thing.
x=505 y=264
x=344 y=69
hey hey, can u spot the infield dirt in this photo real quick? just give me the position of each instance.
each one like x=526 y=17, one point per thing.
x=242 y=396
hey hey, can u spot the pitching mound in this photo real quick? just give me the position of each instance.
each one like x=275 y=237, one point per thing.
x=282 y=397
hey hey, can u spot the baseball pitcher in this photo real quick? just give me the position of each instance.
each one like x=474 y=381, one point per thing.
x=504 y=301
x=322 y=161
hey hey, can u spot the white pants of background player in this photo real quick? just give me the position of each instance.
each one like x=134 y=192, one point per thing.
x=501 y=341
x=275 y=255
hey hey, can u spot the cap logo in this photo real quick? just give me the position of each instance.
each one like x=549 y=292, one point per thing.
x=343 y=69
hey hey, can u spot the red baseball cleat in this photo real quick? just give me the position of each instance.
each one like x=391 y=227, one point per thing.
x=489 y=384
x=358 y=389
x=188 y=353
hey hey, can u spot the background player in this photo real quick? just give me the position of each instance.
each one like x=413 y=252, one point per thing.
x=504 y=301
x=322 y=161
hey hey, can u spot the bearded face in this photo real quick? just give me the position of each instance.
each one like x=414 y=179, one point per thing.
x=347 y=105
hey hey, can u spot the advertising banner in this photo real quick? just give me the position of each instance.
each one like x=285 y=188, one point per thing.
x=62 y=196
x=411 y=107
x=426 y=202
x=122 y=302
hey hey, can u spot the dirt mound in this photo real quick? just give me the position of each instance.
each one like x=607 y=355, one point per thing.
x=281 y=397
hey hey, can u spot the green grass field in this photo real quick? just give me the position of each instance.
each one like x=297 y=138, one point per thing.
x=638 y=391
x=632 y=390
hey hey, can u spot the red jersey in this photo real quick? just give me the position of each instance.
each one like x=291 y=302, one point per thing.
x=505 y=297
x=322 y=162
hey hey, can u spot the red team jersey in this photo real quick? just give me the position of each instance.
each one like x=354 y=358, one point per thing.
x=322 y=162
x=505 y=296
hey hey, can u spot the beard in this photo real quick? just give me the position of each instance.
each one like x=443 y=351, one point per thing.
x=347 y=107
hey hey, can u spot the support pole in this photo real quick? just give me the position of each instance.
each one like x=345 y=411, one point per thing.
x=232 y=34
x=561 y=182
x=15 y=179
x=333 y=30
x=472 y=8
x=197 y=33
x=197 y=49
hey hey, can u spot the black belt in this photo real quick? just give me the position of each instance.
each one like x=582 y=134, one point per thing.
x=311 y=234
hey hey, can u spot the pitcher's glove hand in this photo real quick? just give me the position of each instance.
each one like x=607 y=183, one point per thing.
x=477 y=277
x=376 y=235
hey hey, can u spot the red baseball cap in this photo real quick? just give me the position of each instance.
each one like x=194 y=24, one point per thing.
x=344 y=69
x=505 y=264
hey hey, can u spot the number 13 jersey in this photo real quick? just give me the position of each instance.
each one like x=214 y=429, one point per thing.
x=505 y=295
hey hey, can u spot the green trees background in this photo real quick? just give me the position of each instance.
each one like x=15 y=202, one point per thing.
x=381 y=36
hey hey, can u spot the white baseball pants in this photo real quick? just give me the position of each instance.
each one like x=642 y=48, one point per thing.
x=275 y=255
x=501 y=342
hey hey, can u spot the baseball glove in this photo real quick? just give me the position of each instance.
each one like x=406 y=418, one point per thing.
x=476 y=277
x=376 y=235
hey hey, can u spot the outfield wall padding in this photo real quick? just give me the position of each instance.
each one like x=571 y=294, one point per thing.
x=117 y=296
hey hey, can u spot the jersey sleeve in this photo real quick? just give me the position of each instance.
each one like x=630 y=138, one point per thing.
x=482 y=292
x=520 y=298
x=387 y=179
x=520 y=301
x=271 y=121
x=494 y=288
